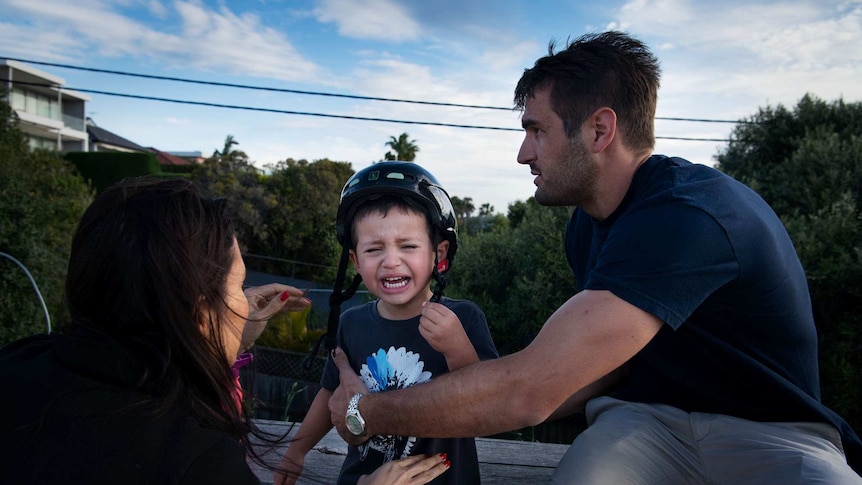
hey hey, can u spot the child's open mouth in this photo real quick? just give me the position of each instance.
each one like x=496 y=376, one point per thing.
x=396 y=282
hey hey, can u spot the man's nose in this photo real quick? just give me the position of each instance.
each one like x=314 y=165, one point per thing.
x=527 y=153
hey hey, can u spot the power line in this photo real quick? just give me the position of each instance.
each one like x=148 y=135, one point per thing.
x=312 y=93
x=257 y=88
x=307 y=113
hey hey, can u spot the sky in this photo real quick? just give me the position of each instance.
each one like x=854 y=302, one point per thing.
x=720 y=59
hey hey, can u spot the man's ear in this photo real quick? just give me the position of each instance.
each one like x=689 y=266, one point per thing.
x=603 y=128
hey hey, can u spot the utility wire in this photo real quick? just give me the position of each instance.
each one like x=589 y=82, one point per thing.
x=257 y=88
x=312 y=93
x=323 y=115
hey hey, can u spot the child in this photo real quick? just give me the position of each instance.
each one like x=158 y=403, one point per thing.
x=399 y=227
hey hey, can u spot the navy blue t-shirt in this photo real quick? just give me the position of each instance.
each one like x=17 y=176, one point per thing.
x=708 y=256
x=391 y=354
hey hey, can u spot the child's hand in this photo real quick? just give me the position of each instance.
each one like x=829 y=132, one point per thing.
x=442 y=329
x=289 y=469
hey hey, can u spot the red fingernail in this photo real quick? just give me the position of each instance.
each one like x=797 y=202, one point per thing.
x=447 y=463
x=443 y=456
x=285 y=296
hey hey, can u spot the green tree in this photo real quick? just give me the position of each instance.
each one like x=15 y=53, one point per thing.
x=228 y=173
x=463 y=208
x=301 y=226
x=486 y=220
x=517 y=275
x=229 y=156
x=806 y=162
x=402 y=148
x=42 y=198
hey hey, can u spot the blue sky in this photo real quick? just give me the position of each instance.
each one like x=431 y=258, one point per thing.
x=720 y=60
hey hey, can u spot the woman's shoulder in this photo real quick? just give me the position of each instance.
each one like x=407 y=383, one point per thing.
x=204 y=455
x=26 y=348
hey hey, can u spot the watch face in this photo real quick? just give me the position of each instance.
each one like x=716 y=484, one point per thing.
x=353 y=425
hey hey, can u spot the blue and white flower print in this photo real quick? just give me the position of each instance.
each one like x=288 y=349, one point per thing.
x=385 y=370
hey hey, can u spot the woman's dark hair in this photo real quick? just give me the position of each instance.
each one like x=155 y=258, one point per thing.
x=605 y=69
x=148 y=267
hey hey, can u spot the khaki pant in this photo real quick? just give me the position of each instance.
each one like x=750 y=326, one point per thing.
x=650 y=444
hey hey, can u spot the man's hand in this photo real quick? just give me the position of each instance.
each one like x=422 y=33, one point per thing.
x=264 y=302
x=350 y=384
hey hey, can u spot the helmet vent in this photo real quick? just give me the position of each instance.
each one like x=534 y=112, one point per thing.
x=401 y=176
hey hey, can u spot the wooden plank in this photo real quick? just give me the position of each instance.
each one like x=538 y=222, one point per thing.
x=500 y=461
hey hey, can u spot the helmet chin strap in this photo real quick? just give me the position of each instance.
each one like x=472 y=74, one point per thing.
x=439 y=266
x=337 y=297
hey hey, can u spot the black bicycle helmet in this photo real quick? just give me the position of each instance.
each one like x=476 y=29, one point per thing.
x=404 y=179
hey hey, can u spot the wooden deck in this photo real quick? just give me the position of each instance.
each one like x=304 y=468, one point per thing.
x=500 y=461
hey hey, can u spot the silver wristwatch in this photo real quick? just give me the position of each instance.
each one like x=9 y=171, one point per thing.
x=354 y=422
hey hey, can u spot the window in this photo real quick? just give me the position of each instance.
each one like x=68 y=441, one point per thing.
x=36 y=103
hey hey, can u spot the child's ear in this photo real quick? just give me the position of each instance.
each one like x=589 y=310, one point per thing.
x=442 y=250
x=353 y=259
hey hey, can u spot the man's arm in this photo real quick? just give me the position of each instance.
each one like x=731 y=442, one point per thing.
x=589 y=336
x=577 y=402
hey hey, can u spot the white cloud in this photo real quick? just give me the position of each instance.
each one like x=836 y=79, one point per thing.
x=26 y=41
x=158 y=9
x=212 y=40
x=726 y=59
x=369 y=19
x=240 y=43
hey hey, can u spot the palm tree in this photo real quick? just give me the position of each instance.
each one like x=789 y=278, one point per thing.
x=228 y=155
x=404 y=149
x=463 y=208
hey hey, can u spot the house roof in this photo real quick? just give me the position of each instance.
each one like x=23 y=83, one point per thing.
x=101 y=135
x=37 y=79
x=165 y=158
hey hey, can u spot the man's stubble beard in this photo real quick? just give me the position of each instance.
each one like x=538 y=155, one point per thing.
x=573 y=180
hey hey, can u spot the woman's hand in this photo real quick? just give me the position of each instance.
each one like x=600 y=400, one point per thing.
x=413 y=470
x=264 y=302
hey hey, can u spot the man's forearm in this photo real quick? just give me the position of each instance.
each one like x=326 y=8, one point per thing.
x=587 y=338
x=474 y=404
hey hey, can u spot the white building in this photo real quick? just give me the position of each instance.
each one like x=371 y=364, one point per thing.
x=49 y=116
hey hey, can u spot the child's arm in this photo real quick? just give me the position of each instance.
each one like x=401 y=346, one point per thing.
x=313 y=428
x=443 y=330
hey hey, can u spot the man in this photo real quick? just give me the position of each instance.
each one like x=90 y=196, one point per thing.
x=693 y=305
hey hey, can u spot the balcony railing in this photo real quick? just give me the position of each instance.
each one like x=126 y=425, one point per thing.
x=73 y=122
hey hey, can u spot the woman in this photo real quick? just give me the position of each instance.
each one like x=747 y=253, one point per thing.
x=138 y=387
